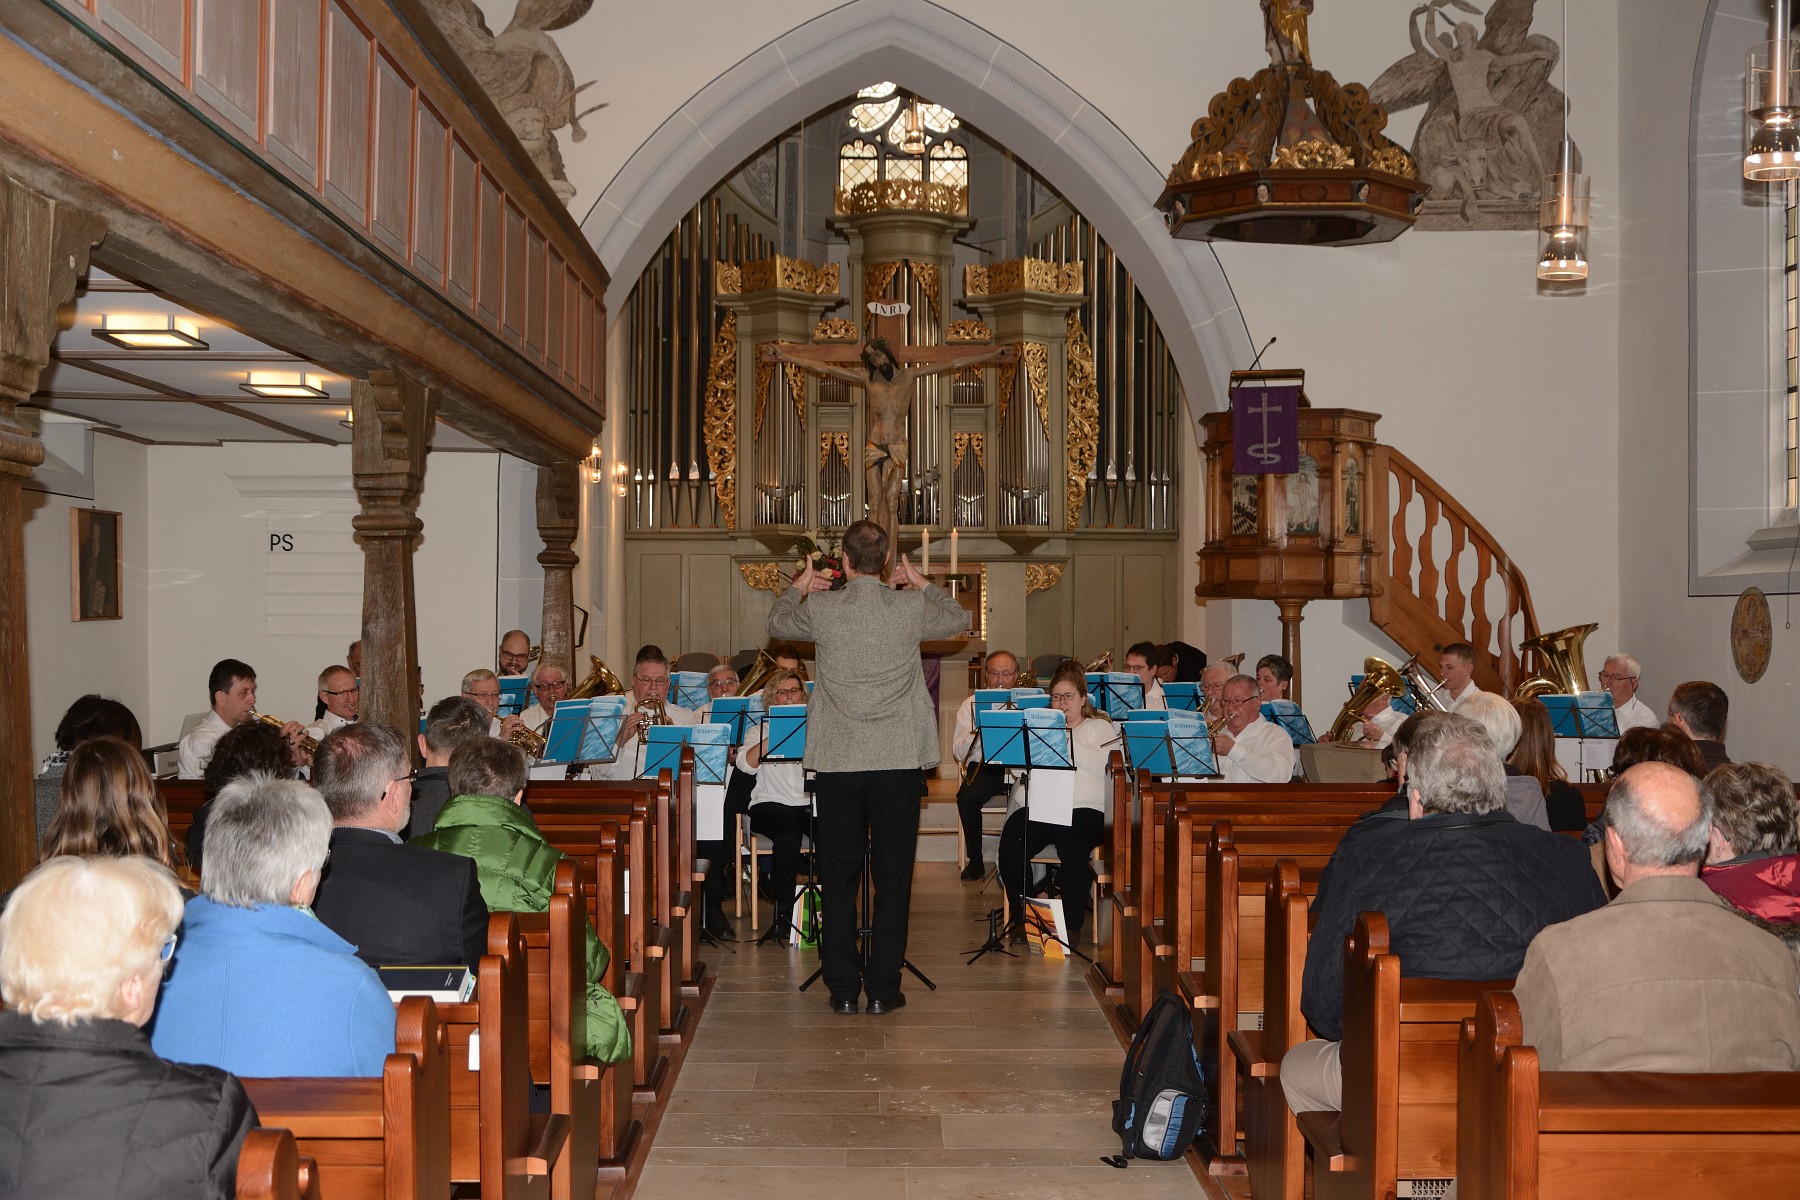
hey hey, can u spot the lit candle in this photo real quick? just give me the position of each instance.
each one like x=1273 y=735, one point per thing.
x=953 y=570
x=925 y=551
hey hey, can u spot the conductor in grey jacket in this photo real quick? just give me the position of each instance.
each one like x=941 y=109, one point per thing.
x=871 y=730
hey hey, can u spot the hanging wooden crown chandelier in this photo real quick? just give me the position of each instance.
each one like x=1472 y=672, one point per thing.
x=1289 y=156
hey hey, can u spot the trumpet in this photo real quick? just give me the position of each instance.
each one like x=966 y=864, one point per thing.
x=307 y=744
x=655 y=713
x=1217 y=723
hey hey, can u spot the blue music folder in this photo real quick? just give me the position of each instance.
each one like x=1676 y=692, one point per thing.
x=514 y=694
x=743 y=713
x=1183 y=697
x=663 y=751
x=1115 y=693
x=1178 y=746
x=1585 y=715
x=1287 y=714
x=786 y=726
x=986 y=698
x=584 y=731
x=1030 y=698
x=688 y=689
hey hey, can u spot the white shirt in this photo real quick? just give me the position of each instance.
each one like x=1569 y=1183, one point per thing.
x=1387 y=720
x=1634 y=714
x=1456 y=701
x=1263 y=753
x=535 y=719
x=1093 y=741
x=326 y=724
x=1153 y=696
x=777 y=782
x=963 y=738
x=197 y=746
x=631 y=754
x=493 y=727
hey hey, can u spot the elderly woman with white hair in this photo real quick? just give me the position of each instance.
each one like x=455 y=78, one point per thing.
x=86 y=1107
x=259 y=986
x=1500 y=720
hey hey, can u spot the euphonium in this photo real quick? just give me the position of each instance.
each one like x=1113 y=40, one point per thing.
x=1103 y=663
x=597 y=682
x=752 y=681
x=308 y=744
x=655 y=713
x=1379 y=678
x=1559 y=652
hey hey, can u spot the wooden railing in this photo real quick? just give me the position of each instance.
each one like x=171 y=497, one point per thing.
x=1445 y=578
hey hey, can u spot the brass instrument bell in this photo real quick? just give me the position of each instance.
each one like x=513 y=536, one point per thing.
x=752 y=680
x=530 y=740
x=1103 y=663
x=1559 y=652
x=655 y=713
x=307 y=744
x=599 y=681
x=1379 y=678
x=1234 y=661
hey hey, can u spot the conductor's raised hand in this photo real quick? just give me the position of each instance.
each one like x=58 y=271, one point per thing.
x=907 y=575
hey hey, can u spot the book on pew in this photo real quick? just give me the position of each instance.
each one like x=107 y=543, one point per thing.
x=446 y=985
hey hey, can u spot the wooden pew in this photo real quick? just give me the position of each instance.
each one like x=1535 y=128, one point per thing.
x=380 y=1137
x=571 y=815
x=596 y=1097
x=495 y=1138
x=1107 y=972
x=1231 y=981
x=181 y=798
x=271 y=1167
x=1526 y=1134
x=1400 y=1060
x=1274 y=1154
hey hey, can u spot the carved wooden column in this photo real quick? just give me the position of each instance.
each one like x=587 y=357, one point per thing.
x=394 y=418
x=43 y=252
x=559 y=520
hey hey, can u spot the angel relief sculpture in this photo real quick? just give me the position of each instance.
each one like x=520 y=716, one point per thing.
x=1492 y=120
x=524 y=73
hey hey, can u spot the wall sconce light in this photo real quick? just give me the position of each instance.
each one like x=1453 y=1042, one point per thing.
x=1772 y=138
x=620 y=472
x=593 y=465
x=134 y=332
x=349 y=421
x=284 y=385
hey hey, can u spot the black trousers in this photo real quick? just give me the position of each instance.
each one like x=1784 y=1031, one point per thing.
x=784 y=825
x=721 y=853
x=1020 y=839
x=875 y=812
x=983 y=785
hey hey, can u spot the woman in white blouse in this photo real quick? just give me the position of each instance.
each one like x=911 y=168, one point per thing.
x=1093 y=737
x=779 y=807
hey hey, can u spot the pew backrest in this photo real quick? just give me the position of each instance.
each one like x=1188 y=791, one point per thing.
x=271 y=1167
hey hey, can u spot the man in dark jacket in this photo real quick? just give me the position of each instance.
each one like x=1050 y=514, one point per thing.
x=451 y=722
x=1463 y=885
x=399 y=905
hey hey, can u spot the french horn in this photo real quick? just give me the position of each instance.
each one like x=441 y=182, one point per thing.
x=1379 y=678
x=1559 y=653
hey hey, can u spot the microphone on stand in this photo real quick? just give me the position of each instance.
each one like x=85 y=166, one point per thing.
x=1253 y=362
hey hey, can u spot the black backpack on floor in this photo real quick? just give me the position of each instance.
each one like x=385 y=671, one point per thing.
x=1161 y=1104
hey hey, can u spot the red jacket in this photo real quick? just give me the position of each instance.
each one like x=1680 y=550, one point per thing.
x=1768 y=887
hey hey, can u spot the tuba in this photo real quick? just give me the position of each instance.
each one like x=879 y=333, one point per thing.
x=597 y=682
x=307 y=744
x=752 y=681
x=1379 y=678
x=655 y=713
x=1234 y=661
x=1559 y=653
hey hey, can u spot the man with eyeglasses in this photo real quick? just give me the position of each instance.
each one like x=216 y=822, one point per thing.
x=649 y=681
x=399 y=905
x=1250 y=749
x=980 y=782
x=514 y=655
x=548 y=685
x=483 y=687
x=1619 y=676
x=721 y=681
x=340 y=694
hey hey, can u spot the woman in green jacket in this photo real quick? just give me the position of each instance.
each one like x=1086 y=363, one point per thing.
x=517 y=867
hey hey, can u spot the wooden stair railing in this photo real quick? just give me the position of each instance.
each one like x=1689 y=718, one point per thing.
x=1428 y=556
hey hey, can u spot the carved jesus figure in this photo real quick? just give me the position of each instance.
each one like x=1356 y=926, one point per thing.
x=888 y=388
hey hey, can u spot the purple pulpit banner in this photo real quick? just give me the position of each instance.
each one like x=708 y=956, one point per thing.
x=1265 y=430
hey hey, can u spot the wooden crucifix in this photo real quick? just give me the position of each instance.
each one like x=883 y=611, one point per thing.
x=890 y=368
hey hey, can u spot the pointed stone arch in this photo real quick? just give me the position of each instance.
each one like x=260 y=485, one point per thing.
x=992 y=84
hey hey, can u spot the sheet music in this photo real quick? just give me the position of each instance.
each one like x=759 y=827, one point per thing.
x=1051 y=797
x=709 y=813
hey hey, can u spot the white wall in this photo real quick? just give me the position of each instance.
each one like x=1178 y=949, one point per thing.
x=70 y=658
x=215 y=590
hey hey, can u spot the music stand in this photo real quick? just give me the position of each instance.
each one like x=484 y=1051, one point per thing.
x=582 y=732
x=1183 y=697
x=1287 y=714
x=513 y=689
x=688 y=689
x=1170 y=750
x=742 y=713
x=1583 y=718
x=1115 y=693
x=786 y=733
x=663 y=751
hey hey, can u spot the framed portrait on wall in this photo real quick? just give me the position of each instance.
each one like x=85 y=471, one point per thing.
x=94 y=565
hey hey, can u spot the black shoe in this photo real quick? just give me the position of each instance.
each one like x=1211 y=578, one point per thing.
x=845 y=1006
x=719 y=928
x=974 y=873
x=882 y=1007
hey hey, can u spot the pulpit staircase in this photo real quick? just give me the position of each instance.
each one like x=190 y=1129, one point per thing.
x=1442 y=577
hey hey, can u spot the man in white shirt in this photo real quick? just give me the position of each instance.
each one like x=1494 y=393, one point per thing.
x=232 y=686
x=1619 y=676
x=340 y=694
x=483 y=687
x=649 y=681
x=1456 y=669
x=1250 y=749
x=980 y=782
x=1380 y=720
x=1144 y=660
x=548 y=685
